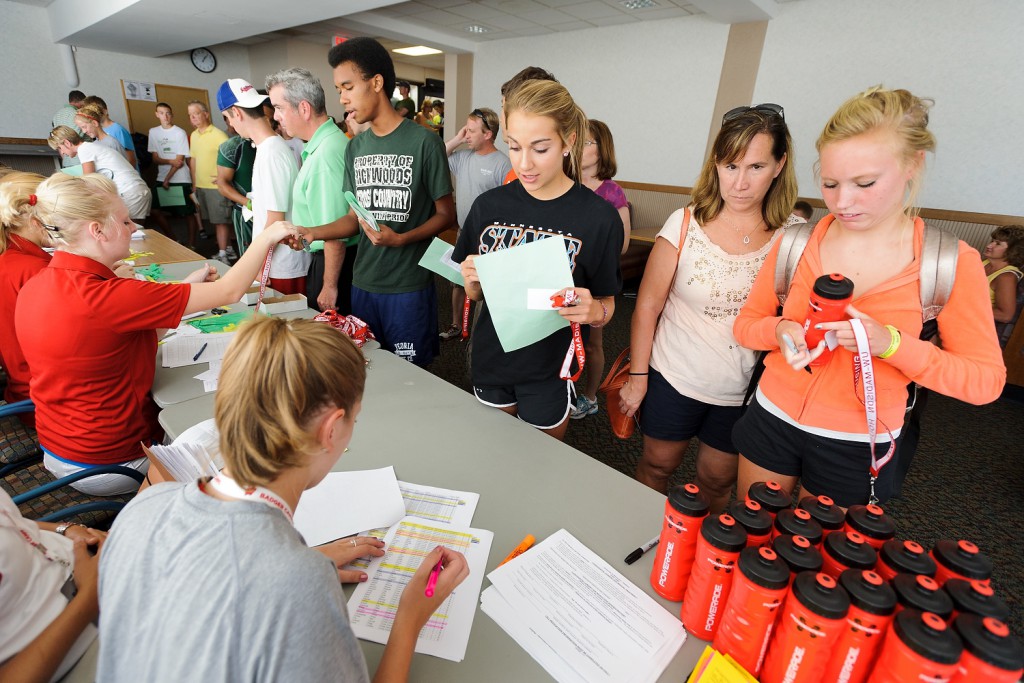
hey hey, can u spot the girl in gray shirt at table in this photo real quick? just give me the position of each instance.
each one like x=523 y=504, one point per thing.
x=209 y=581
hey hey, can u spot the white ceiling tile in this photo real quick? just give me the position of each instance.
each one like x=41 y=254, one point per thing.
x=475 y=10
x=404 y=8
x=516 y=7
x=509 y=22
x=547 y=17
x=571 y=26
x=437 y=16
x=559 y=3
x=664 y=13
x=442 y=4
x=535 y=31
x=612 y=20
x=590 y=10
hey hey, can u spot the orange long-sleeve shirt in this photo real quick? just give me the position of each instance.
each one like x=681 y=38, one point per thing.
x=969 y=366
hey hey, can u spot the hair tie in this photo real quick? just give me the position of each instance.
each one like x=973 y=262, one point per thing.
x=32 y=200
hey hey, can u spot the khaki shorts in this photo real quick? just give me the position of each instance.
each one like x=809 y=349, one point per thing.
x=214 y=206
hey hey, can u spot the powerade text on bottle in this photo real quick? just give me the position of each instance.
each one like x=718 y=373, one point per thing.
x=721 y=540
x=685 y=507
x=872 y=606
x=808 y=629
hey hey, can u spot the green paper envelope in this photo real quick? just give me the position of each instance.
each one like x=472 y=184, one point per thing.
x=508 y=275
x=173 y=196
x=438 y=258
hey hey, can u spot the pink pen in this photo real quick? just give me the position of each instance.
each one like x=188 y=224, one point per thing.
x=432 y=581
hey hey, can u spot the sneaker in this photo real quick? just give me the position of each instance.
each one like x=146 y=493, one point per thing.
x=451 y=333
x=232 y=256
x=203 y=235
x=584 y=406
x=222 y=256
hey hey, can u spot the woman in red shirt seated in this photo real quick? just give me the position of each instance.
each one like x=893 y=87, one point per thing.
x=21 y=257
x=90 y=337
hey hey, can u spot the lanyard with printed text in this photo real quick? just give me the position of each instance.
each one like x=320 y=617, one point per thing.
x=264 y=276
x=227 y=486
x=864 y=371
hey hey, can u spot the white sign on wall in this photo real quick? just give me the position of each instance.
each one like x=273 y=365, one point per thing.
x=139 y=90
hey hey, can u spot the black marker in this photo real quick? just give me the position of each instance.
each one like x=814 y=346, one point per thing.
x=639 y=552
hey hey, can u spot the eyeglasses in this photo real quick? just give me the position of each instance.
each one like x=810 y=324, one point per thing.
x=588 y=143
x=766 y=108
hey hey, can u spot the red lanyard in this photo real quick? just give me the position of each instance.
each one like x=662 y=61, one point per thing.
x=36 y=545
x=227 y=486
x=264 y=276
x=465 y=319
x=863 y=370
x=576 y=344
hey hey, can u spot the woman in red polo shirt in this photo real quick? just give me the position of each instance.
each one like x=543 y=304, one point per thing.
x=21 y=257
x=90 y=337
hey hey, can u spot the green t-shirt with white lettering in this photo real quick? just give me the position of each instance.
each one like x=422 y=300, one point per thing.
x=397 y=177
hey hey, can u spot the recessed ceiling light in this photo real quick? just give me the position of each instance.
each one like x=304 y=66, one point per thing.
x=638 y=4
x=417 y=51
x=476 y=28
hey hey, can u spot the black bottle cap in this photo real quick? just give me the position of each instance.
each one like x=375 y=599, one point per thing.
x=764 y=568
x=929 y=636
x=871 y=521
x=850 y=549
x=976 y=597
x=916 y=591
x=821 y=594
x=824 y=510
x=963 y=558
x=752 y=517
x=770 y=495
x=833 y=286
x=868 y=591
x=906 y=557
x=798 y=553
x=689 y=500
x=799 y=523
x=724 y=533
x=990 y=640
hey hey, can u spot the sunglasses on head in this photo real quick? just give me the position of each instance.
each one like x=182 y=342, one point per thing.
x=479 y=114
x=766 y=108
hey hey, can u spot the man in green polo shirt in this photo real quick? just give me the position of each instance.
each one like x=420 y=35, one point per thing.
x=317 y=195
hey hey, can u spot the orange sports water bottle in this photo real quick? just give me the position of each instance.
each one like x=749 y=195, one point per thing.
x=903 y=557
x=919 y=647
x=824 y=510
x=961 y=560
x=754 y=519
x=976 y=597
x=808 y=629
x=871 y=522
x=721 y=540
x=797 y=522
x=757 y=592
x=685 y=507
x=872 y=606
x=991 y=653
x=830 y=296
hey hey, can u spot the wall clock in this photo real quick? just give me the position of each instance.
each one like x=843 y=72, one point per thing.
x=204 y=60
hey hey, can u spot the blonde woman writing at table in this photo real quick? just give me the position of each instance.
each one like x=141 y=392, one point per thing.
x=90 y=338
x=811 y=427
x=215 y=569
x=687 y=367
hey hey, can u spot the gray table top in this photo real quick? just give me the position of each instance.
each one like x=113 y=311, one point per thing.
x=436 y=434
x=175 y=385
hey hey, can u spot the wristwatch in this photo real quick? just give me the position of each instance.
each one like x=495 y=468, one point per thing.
x=62 y=529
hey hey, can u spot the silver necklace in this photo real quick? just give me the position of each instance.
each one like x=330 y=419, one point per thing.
x=746 y=238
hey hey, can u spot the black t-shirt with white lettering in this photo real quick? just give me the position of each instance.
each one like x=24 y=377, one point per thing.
x=508 y=216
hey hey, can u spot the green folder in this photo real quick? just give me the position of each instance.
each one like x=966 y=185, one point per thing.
x=170 y=196
x=508 y=275
x=72 y=170
x=438 y=258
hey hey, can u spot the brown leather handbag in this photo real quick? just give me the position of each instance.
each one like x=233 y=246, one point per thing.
x=623 y=426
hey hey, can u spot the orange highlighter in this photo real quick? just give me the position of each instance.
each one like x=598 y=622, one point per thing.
x=520 y=549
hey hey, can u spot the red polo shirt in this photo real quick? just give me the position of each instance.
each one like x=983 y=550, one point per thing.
x=90 y=341
x=19 y=262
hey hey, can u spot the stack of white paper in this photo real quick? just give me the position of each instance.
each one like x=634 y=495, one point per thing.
x=579 y=618
x=344 y=503
x=211 y=377
x=194 y=454
x=181 y=350
x=374 y=602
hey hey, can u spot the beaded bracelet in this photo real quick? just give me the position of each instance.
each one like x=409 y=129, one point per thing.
x=894 y=342
x=604 y=314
